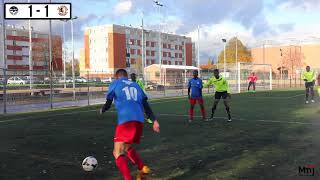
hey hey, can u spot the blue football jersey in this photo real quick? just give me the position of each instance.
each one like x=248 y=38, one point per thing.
x=128 y=98
x=196 y=87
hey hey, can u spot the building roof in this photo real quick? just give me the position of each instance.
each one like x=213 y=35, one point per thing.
x=174 y=67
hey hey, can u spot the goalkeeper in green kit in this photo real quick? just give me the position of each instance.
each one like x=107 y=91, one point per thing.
x=222 y=91
x=309 y=77
x=133 y=77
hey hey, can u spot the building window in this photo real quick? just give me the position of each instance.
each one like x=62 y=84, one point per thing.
x=169 y=46
x=176 y=47
x=152 y=44
x=133 y=61
x=148 y=53
x=139 y=42
x=132 y=51
x=14 y=42
x=164 y=62
x=153 y=61
x=176 y=62
x=132 y=41
x=148 y=43
x=169 y=54
x=153 y=53
x=180 y=63
x=139 y=51
x=176 y=55
x=169 y=62
x=164 y=54
x=180 y=55
x=164 y=45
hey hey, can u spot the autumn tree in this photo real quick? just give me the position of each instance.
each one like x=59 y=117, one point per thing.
x=208 y=66
x=292 y=59
x=76 y=68
x=137 y=66
x=244 y=54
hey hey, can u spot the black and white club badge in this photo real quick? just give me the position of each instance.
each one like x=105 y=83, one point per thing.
x=13 y=10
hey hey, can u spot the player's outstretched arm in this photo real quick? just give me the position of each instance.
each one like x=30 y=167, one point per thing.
x=106 y=106
x=150 y=114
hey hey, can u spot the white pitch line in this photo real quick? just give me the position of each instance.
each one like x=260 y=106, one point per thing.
x=174 y=115
x=289 y=97
x=76 y=112
x=241 y=119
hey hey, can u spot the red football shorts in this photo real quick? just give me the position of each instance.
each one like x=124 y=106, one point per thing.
x=194 y=101
x=129 y=132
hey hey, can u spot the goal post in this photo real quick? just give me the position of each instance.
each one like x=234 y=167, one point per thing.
x=262 y=71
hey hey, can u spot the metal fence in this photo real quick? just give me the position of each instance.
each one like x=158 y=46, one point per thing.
x=20 y=92
x=23 y=91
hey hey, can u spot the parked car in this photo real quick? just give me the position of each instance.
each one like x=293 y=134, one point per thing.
x=154 y=86
x=16 y=80
x=107 y=80
x=68 y=80
x=96 y=80
x=35 y=80
x=80 y=80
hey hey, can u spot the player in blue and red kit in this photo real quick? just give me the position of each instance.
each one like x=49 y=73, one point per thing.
x=131 y=103
x=195 y=86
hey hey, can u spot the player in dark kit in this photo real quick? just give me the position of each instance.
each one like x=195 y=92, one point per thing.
x=195 y=85
x=130 y=102
x=222 y=91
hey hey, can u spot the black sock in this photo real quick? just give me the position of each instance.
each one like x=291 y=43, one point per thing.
x=228 y=111
x=212 y=111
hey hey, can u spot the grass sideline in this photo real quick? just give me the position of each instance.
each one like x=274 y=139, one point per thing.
x=52 y=144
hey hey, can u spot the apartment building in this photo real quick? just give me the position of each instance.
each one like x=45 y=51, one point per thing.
x=110 y=47
x=17 y=52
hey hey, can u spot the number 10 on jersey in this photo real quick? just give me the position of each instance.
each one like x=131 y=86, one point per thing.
x=131 y=93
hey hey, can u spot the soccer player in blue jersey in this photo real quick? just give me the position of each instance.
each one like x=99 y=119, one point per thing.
x=130 y=102
x=195 y=86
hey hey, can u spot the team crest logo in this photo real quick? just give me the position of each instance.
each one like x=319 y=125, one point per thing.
x=62 y=10
x=13 y=10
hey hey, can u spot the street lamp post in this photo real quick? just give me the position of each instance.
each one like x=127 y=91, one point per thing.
x=224 y=57
x=4 y=65
x=64 y=53
x=72 y=61
x=160 y=44
x=199 y=51
x=143 y=49
x=50 y=62
x=281 y=72
x=30 y=56
x=237 y=68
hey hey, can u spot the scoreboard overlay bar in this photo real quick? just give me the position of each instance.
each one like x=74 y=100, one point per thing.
x=37 y=11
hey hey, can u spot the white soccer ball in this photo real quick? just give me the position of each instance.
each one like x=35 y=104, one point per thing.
x=89 y=164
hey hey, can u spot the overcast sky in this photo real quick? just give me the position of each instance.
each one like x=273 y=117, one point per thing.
x=251 y=20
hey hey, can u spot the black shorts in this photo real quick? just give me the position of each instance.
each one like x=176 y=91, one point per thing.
x=309 y=84
x=218 y=95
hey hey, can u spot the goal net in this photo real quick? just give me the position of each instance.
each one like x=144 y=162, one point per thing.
x=262 y=71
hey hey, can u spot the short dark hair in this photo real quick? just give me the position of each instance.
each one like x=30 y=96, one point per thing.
x=122 y=72
x=216 y=70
